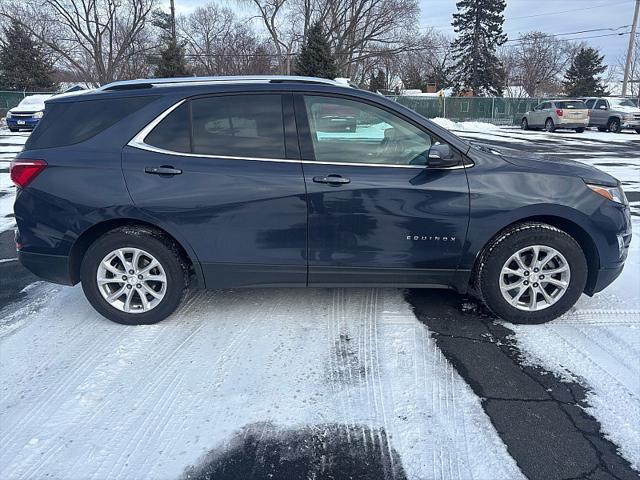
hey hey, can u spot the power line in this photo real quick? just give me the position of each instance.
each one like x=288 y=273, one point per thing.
x=575 y=33
x=569 y=11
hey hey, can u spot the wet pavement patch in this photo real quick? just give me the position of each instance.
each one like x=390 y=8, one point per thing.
x=540 y=417
x=320 y=452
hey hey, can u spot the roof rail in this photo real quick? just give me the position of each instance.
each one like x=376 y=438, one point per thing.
x=151 y=82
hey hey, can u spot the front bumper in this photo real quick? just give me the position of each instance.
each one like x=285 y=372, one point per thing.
x=22 y=122
x=633 y=124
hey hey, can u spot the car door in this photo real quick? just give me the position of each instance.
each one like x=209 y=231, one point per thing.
x=224 y=172
x=376 y=214
x=600 y=113
x=536 y=116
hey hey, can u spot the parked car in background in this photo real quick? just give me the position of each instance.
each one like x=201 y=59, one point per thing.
x=141 y=187
x=27 y=114
x=613 y=114
x=552 y=114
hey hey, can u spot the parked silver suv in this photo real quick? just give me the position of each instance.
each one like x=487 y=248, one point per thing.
x=552 y=114
x=613 y=114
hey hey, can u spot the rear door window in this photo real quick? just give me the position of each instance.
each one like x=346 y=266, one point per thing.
x=238 y=126
x=74 y=122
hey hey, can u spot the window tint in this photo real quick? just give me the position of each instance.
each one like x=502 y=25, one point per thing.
x=172 y=133
x=354 y=132
x=75 y=122
x=589 y=103
x=238 y=126
x=600 y=103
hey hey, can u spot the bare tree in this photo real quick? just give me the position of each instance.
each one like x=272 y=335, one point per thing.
x=537 y=62
x=101 y=40
x=428 y=60
x=218 y=43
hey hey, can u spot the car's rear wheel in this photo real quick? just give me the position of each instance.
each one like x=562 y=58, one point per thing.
x=134 y=276
x=549 y=126
x=579 y=130
x=614 y=125
x=524 y=125
x=532 y=273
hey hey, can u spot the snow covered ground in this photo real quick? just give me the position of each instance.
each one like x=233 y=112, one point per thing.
x=84 y=398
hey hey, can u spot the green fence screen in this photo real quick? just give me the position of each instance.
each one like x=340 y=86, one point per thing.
x=499 y=111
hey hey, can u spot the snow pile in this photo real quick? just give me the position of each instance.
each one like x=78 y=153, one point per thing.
x=465 y=126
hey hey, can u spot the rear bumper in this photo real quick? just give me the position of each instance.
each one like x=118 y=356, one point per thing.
x=572 y=125
x=52 y=268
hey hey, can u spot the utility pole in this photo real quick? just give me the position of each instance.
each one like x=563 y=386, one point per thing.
x=173 y=21
x=632 y=39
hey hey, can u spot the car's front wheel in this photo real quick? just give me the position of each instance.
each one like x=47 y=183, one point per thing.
x=134 y=276
x=531 y=273
x=614 y=125
x=579 y=130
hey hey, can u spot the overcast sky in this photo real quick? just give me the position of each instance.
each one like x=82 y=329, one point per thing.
x=551 y=16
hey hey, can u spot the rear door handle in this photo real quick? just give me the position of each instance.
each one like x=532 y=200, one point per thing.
x=332 y=180
x=163 y=170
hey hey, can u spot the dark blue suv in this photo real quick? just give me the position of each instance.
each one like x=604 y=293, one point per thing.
x=142 y=188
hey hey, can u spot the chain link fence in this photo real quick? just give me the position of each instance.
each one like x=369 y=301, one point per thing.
x=495 y=110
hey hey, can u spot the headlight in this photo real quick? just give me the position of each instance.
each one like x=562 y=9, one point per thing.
x=8 y=114
x=628 y=117
x=38 y=115
x=615 y=194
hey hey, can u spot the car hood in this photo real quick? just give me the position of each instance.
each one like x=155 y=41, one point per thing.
x=563 y=167
x=625 y=109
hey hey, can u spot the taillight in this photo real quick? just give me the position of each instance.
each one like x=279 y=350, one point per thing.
x=23 y=171
x=559 y=112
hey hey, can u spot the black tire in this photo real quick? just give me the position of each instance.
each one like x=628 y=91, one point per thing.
x=509 y=242
x=13 y=129
x=524 y=125
x=637 y=130
x=167 y=253
x=580 y=130
x=549 y=126
x=614 y=125
x=602 y=129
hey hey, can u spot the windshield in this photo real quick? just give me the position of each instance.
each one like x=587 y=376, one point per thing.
x=621 y=102
x=34 y=100
x=572 y=104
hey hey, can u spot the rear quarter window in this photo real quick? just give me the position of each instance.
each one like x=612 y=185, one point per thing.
x=173 y=132
x=74 y=122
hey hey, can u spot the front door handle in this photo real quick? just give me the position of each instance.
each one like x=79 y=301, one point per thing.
x=332 y=179
x=163 y=170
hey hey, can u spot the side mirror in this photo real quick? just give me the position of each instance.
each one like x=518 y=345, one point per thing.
x=602 y=107
x=441 y=156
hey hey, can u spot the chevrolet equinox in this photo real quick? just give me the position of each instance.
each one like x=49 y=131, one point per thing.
x=141 y=188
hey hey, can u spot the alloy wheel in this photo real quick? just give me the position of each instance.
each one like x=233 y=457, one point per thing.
x=534 y=278
x=131 y=280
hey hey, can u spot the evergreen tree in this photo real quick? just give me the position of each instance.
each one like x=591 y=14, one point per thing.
x=378 y=81
x=171 y=61
x=315 y=58
x=582 y=77
x=478 y=24
x=23 y=64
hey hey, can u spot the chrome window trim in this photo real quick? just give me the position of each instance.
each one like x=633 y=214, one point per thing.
x=139 y=143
